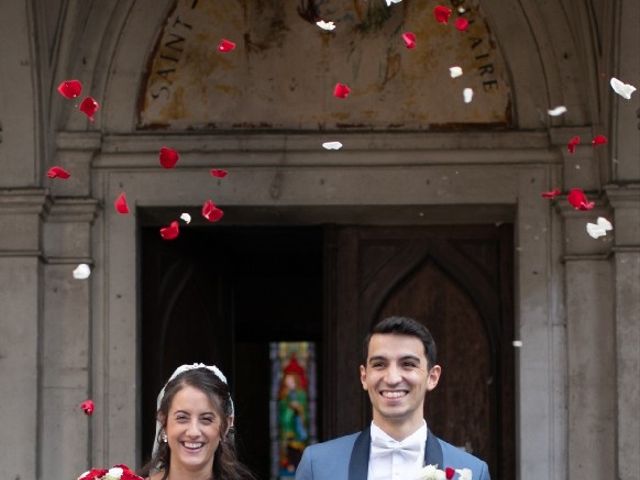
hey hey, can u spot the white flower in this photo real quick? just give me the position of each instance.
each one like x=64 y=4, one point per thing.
x=186 y=218
x=599 y=229
x=467 y=93
x=465 y=474
x=82 y=272
x=326 y=25
x=559 y=110
x=389 y=2
x=332 y=145
x=430 y=472
x=623 y=89
x=455 y=72
x=114 y=473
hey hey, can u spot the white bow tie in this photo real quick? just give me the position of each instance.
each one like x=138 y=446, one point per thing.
x=408 y=448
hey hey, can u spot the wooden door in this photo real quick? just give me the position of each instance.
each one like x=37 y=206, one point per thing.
x=457 y=282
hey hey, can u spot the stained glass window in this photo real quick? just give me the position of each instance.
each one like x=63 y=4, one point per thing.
x=293 y=405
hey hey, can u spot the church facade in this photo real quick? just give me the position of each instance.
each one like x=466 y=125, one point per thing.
x=433 y=204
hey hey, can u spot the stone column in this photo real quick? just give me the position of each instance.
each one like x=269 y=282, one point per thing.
x=591 y=346
x=626 y=204
x=20 y=330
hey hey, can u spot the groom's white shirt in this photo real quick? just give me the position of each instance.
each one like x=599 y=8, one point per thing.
x=393 y=463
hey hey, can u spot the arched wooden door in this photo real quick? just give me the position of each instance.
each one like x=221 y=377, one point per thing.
x=456 y=281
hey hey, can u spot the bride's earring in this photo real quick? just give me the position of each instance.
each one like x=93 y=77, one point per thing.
x=164 y=437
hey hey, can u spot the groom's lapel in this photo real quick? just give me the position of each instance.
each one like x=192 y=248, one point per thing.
x=433 y=451
x=359 y=462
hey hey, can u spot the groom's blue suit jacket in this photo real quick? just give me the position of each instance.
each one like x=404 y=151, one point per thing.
x=347 y=458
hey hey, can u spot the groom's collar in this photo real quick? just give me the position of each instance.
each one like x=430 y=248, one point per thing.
x=359 y=463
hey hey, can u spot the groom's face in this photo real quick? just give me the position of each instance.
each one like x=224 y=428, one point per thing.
x=397 y=377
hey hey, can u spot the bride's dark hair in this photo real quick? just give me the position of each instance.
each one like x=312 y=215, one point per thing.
x=226 y=465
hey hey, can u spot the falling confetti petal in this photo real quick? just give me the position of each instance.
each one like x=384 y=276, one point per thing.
x=599 y=140
x=88 y=407
x=600 y=228
x=551 y=194
x=623 y=89
x=579 y=200
x=455 y=72
x=442 y=14
x=81 y=272
x=211 y=212
x=168 y=157
x=326 y=25
x=449 y=473
x=517 y=343
x=467 y=93
x=170 y=232
x=218 y=173
x=186 y=218
x=226 y=45
x=332 y=145
x=389 y=2
x=461 y=24
x=573 y=143
x=409 y=39
x=89 y=107
x=121 y=204
x=58 y=172
x=341 y=90
x=557 y=111
x=70 y=89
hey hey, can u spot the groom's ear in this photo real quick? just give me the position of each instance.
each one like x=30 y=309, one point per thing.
x=433 y=377
x=363 y=377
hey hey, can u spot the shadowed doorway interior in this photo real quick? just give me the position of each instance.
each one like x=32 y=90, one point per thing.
x=219 y=295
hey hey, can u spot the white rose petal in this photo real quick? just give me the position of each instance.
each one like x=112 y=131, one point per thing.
x=623 y=89
x=326 y=25
x=332 y=145
x=599 y=229
x=84 y=474
x=186 y=218
x=467 y=93
x=82 y=272
x=389 y=2
x=559 y=110
x=465 y=474
x=517 y=343
x=455 y=72
x=115 y=473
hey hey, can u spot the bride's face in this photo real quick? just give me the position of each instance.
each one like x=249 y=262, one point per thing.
x=193 y=430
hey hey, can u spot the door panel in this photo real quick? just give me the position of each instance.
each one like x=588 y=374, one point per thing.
x=457 y=282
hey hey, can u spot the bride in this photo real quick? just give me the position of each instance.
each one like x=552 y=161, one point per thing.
x=194 y=429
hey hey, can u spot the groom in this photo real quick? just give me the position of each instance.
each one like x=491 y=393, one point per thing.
x=400 y=368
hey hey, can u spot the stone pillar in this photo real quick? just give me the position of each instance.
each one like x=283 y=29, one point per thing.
x=66 y=345
x=591 y=346
x=626 y=204
x=20 y=330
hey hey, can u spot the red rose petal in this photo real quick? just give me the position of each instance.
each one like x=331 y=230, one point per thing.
x=121 y=204
x=70 y=89
x=461 y=24
x=442 y=14
x=218 y=173
x=171 y=231
x=94 y=474
x=341 y=90
x=211 y=212
x=409 y=39
x=89 y=107
x=573 y=142
x=87 y=407
x=58 y=172
x=168 y=157
x=226 y=45
x=551 y=194
x=599 y=140
x=449 y=472
x=579 y=200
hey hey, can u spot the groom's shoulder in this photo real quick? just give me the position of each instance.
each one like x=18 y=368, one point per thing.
x=339 y=444
x=460 y=457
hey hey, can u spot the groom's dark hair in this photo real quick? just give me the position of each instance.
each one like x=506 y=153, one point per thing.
x=404 y=326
